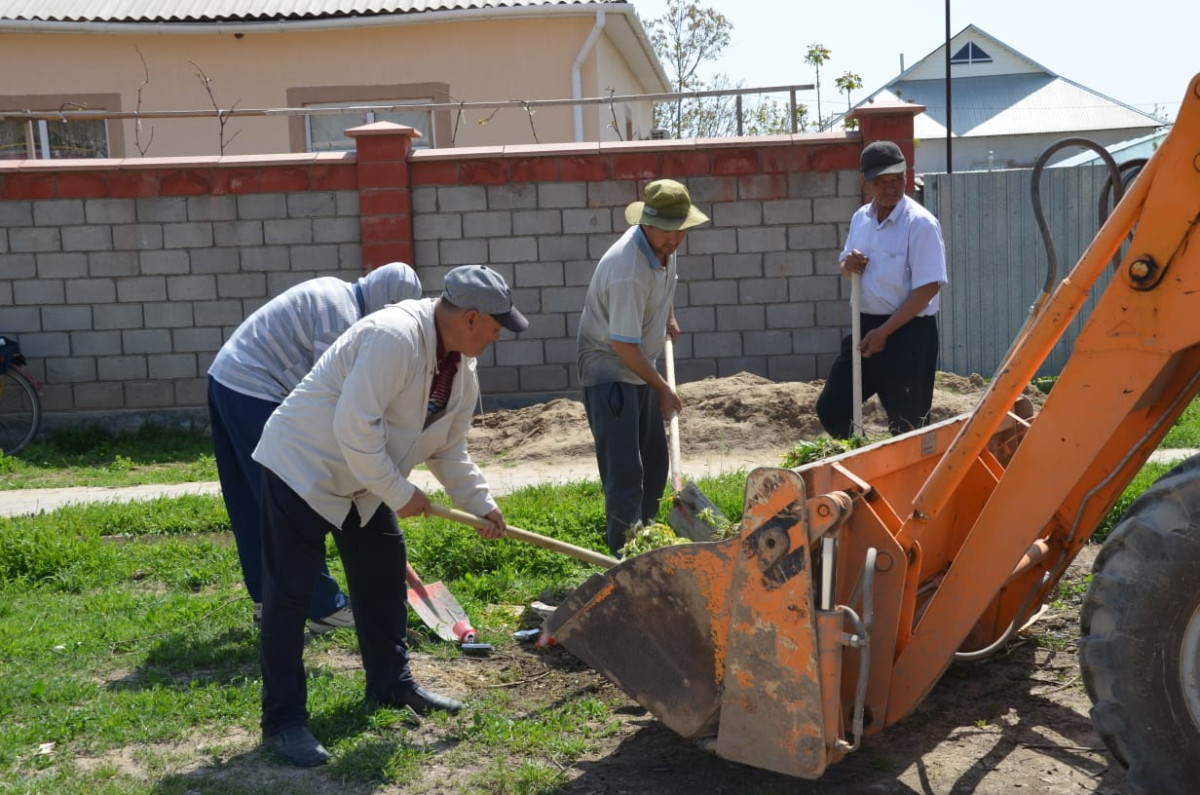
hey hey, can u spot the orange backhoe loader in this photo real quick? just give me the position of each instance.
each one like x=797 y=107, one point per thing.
x=856 y=580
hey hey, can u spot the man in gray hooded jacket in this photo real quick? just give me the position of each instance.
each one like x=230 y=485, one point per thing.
x=263 y=361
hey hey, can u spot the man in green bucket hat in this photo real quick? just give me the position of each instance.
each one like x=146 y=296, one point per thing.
x=627 y=315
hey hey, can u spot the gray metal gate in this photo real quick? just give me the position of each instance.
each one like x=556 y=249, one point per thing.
x=997 y=261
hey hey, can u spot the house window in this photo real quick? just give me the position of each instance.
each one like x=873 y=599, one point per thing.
x=53 y=139
x=45 y=140
x=326 y=132
x=971 y=53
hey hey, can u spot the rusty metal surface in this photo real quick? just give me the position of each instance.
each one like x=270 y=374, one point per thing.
x=772 y=711
x=655 y=625
x=718 y=638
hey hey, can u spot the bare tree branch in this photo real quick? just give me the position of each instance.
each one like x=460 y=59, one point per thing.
x=137 y=124
x=222 y=116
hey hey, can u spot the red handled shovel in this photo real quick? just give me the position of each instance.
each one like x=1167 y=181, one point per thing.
x=438 y=608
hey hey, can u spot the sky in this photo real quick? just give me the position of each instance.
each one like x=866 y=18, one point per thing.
x=1143 y=54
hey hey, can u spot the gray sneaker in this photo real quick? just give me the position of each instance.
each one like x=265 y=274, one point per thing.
x=338 y=619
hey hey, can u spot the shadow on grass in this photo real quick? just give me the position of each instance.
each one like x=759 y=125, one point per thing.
x=182 y=658
x=367 y=754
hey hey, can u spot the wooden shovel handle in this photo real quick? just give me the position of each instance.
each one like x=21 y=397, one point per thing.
x=414 y=580
x=856 y=425
x=673 y=427
x=553 y=544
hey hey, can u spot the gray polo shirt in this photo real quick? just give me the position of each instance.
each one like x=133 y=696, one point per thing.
x=629 y=300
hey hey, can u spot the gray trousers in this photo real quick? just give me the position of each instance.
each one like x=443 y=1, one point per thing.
x=631 y=451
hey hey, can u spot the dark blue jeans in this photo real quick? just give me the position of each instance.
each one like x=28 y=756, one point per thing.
x=237 y=424
x=631 y=451
x=374 y=555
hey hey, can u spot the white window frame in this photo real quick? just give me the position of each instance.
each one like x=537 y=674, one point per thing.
x=370 y=116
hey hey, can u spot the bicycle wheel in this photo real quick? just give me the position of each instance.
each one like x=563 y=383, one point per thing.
x=20 y=411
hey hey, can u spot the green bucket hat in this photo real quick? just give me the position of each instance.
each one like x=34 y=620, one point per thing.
x=667 y=206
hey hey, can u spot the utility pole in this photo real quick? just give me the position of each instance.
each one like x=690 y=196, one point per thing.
x=949 y=115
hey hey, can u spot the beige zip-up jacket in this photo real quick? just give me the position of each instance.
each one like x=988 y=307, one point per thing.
x=353 y=429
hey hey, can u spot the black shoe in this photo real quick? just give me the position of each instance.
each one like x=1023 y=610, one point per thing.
x=298 y=746
x=421 y=701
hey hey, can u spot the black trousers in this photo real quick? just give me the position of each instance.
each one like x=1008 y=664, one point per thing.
x=902 y=375
x=374 y=556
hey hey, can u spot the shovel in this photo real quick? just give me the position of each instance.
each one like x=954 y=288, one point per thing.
x=553 y=544
x=438 y=608
x=856 y=427
x=688 y=503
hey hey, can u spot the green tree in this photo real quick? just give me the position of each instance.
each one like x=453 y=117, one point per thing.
x=849 y=81
x=770 y=117
x=686 y=37
x=816 y=56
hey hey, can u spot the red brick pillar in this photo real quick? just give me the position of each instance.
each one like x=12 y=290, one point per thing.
x=384 y=192
x=889 y=121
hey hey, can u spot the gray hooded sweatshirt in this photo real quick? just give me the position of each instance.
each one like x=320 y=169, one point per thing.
x=274 y=348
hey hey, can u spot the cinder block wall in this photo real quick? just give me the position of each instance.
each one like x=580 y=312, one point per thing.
x=758 y=287
x=120 y=302
x=122 y=278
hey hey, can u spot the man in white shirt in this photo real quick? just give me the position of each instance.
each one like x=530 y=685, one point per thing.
x=896 y=245
x=627 y=314
x=396 y=390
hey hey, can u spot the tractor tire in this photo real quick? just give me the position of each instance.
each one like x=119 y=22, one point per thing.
x=1140 y=650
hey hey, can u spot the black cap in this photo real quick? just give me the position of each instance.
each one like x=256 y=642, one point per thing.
x=881 y=157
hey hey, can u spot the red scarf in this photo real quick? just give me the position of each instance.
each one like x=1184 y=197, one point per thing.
x=443 y=377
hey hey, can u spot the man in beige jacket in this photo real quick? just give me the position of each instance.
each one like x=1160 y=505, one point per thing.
x=396 y=390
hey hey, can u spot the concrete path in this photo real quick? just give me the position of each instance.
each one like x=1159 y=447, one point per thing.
x=503 y=479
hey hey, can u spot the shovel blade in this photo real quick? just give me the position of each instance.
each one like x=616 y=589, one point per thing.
x=686 y=514
x=441 y=612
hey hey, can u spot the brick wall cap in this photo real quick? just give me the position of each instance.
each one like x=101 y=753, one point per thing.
x=80 y=164
x=886 y=107
x=383 y=128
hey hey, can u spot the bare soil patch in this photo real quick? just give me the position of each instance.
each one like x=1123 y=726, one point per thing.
x=743 y=412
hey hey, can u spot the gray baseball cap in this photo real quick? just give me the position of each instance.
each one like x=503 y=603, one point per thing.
x=480 y=288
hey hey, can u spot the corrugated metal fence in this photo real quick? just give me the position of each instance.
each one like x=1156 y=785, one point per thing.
x=997 y=261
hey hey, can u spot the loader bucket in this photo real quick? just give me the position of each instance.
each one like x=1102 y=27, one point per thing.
x=718 y=640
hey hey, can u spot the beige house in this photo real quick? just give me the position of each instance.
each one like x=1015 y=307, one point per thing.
x=357 y=60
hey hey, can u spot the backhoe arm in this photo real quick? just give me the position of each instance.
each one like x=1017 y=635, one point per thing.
x=1133 y=370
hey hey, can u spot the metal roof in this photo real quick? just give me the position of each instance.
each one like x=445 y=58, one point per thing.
x=203 y=11
x=1135 y=149
x=1024 y=104
x=1018 y=96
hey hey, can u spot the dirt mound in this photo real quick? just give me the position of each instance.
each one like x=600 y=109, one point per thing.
x=739 y=412
x=557 y=429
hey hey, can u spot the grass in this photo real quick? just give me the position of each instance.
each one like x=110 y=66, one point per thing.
x=93 y=456
x=125 y=631
x=126 y=639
